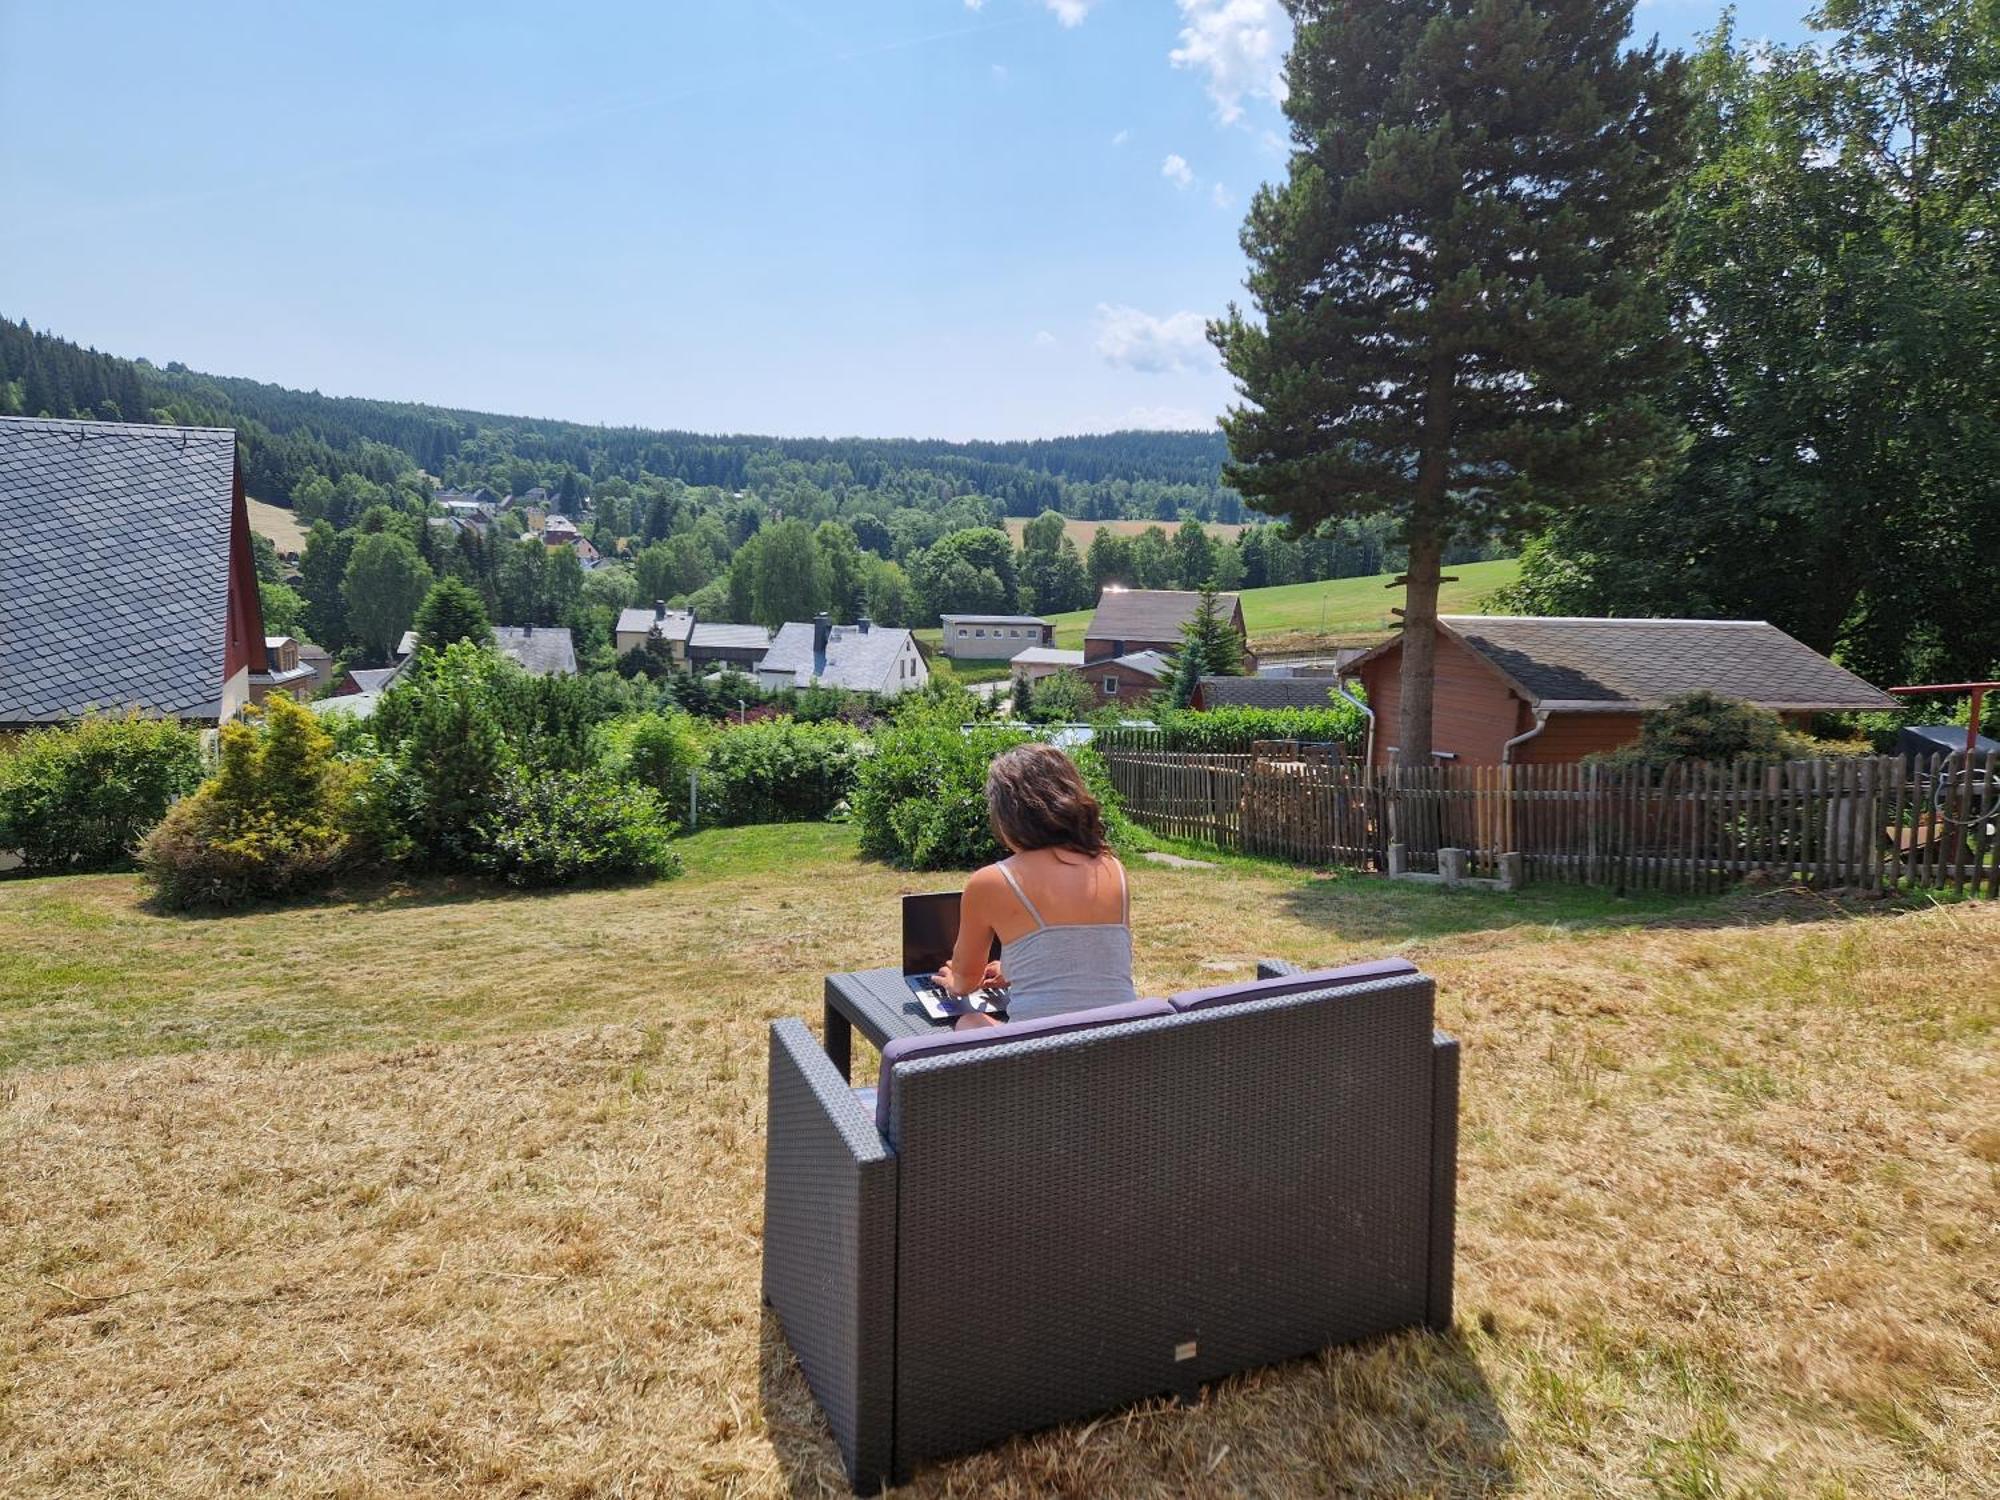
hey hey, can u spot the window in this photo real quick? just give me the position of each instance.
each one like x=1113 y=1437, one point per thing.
x=980 y=632
x=963 y=633
x=1111 y=687
x=1012 y=631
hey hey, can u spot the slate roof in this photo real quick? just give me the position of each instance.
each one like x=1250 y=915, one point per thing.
x=114 y=568
x=1150 y=614
x=1585 y=665
x=674 y=626
x=860 y=663
x=1266 y=692
x=723 y=637
x=1151 y=663
x=544 y=650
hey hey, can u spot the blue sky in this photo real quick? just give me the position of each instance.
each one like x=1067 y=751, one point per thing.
x=876 y=217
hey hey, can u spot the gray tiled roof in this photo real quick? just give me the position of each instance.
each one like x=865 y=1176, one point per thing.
x=1149 y=614
x=544 y=650
x=1623 y=664
x=1152 y=663
x=114 y=568
x=720 y=636
x=860 y=663
x=674 y=625
x=1266 y=692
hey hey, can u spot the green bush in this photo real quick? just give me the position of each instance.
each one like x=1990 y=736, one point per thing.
x=81 y=796
x=921 y=800
x=779 y=771
x=574 y=828
x=658 y=750
x=1234 y=730
x=279 y=816
x=1704 y=725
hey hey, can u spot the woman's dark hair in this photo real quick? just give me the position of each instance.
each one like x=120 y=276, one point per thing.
x=1036 y=800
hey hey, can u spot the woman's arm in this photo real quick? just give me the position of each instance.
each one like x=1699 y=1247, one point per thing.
x=969 y=956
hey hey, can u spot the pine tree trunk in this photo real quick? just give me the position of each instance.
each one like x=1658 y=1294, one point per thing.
x=1420 y=593
x=1420 y=605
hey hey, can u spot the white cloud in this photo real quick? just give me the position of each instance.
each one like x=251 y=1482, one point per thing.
x=974 y=4
x=1044 y=337
x=1172 y=418
x=1121 y=138
x=1175 y=169
x=999 y=72
x=1070 y=12
x=1240 y=45
x=1138 y=340
x=1220 y=196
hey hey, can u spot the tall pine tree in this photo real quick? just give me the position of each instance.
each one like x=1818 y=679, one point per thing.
x=1460 y=322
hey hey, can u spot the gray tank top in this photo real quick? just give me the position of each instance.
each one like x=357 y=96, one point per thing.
x=1069 y=965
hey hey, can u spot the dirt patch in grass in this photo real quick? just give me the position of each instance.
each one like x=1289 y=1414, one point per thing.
x=1728 y=1196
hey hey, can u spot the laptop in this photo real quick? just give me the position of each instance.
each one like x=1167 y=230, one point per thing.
x=930 y=931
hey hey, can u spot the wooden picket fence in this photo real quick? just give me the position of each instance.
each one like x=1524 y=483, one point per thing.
x=1878 y=822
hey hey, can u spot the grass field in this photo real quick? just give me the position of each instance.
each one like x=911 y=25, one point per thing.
x=427 y=1191
x=1081 y=532
x=279 y=524
x=1342 y=610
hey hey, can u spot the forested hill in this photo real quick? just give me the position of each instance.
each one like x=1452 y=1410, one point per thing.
x=288 y=436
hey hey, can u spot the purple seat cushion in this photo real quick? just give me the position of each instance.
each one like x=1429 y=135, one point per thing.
x=1291 y=984
x=929 y=1045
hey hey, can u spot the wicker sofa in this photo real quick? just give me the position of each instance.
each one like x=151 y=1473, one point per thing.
x=1030 y=1224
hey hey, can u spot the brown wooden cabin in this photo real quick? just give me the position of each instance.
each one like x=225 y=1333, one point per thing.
x=1539 y=691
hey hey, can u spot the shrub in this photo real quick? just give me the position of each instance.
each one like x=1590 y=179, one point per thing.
x=574 y=828
x=1704 y=725
x=656 y=750
x=443 y=727
x=81 y=796
x=921 y=800
x=1059 y=698
x=279 y=816
x=1235 y=730
x=779 y=771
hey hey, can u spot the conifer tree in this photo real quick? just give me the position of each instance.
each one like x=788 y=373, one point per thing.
x=1209 y=648
x=1459 y=317
x=452 y=611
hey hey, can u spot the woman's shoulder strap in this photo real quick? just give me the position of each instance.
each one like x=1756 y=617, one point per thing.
x=1005 y=868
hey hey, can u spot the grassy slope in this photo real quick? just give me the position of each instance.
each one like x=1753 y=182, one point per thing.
x=1343 y=609
x=429 y=1191
x=279 y=524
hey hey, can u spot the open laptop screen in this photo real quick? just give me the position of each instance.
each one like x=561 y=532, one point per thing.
x=930 y=930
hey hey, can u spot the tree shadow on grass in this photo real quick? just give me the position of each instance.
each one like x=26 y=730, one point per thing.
x=1375 y=909
x=1408 y=1413
x=365 y=894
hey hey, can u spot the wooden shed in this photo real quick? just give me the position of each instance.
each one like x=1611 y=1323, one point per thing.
x=1540 y=690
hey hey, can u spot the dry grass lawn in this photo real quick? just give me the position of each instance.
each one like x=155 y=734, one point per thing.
x=431 y=1192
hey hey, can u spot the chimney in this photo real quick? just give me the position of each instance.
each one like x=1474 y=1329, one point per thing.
x=659 y=609
x=822 y=628
x=862 y=624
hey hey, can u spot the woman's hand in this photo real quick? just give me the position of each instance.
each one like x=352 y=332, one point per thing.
x=993 y=979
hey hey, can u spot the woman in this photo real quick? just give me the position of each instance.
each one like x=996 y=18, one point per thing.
x=1057 y=903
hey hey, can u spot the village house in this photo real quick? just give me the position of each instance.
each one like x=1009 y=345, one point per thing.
x=541 y=650
x=1534 y=691
x=130 y=583
x=638 y=625
x=1130 y=621
x=857 y=658
x=993 y=637
x=286 y=671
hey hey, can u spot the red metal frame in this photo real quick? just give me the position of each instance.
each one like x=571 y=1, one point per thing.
x=1973 y=720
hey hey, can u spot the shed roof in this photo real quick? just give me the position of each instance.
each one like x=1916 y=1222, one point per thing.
x=1572 y=665
x=1046 y=656
x=1151 y=663
x=1149 y=614
x=114 y=548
